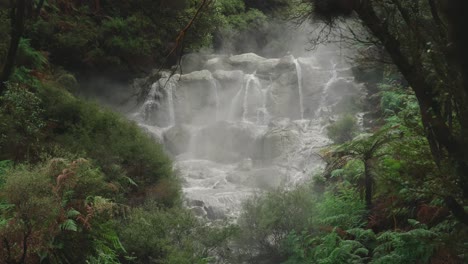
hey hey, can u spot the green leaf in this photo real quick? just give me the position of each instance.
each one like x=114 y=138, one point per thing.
x=69 y=225
x=72 y=213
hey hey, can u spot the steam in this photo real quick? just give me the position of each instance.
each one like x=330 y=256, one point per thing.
x=244 y=123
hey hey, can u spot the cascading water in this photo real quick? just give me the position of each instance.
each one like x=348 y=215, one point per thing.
x=299 y=86
x=323 y=103
x=214 y=85
x=239 y=125
x=170 y=103
x=252 y=85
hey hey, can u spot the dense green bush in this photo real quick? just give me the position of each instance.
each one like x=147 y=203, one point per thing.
x=124 y=153
x=21 y=125
x=155 y=235
x=117 y=37
x=56 y=211
x=266 y=222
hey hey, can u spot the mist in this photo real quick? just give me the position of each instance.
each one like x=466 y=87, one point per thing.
x=240 y=123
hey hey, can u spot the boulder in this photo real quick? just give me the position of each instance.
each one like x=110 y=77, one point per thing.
x=177 y=139
x=228 y=76
x=218 y=63
x=283 y=99
x=278 y=141
x=247 y=62
x=226 y=142
x=192 y=62
x=214 y=213
x=266 y=178
x=195 y=98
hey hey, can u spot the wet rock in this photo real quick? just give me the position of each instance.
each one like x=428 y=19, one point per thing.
x=195 y=96
x=203 y=75
x=278 y=141
x=196 y=203
x=266 y=178
x=228 y=76
x=283 y=101
x=237 y=177
x=248 y=62
x=198 y=211
x=268 y=67
x=245 y=164
x=218 y=63
x=226 y=142
x=214 y=213
x=192 y=62
x=177 y=139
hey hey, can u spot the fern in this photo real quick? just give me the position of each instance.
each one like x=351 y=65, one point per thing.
x=410 y=247
x=334 y=250
x=72 y=213
x=69 y=225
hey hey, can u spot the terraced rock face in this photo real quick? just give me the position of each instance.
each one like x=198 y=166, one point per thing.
x=242 y=124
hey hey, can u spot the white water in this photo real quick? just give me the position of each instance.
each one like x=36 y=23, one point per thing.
x=299 y=85
x=170 y=104
x=256 y=135
x=214 y=85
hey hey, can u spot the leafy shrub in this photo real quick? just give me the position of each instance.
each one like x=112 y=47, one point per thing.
x=55 y=211
x=155 y=235
x=28 y=57
x=266 y=222
x=125 y=154
x=22 y=123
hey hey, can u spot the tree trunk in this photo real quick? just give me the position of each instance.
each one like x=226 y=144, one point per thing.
x=368 y=183
x=438 y=133
x=17 y=28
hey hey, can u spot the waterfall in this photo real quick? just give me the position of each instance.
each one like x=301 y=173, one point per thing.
x=170 y=103
x=245 y=105
x=299 y=84
x=169 y=82
x=150 y=103
x=262 y=114
x=251 y=144
x=214 y=86
x=234 y=104
x=323 y=96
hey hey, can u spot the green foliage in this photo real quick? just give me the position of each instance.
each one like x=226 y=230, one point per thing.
x=344 y=129
x=352 y=171
x=4 y=34
x=121 y=36
x=28 y=57
x=332 y=249
x=342 y=208
x=124 y=153
x=4 y=166
x=124 y=35
x=152 y=234
x=21 y=113
x=238 y=25
x=364 y=246
x=414 y=246
x=266 y=222
x=49 y=208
